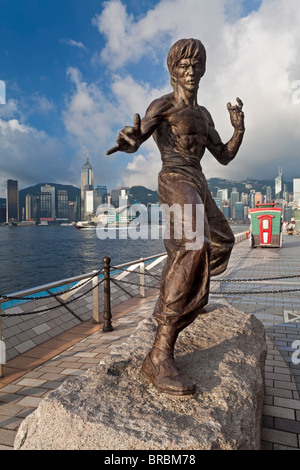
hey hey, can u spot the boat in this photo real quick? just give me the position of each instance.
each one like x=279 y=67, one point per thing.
x=85 y=225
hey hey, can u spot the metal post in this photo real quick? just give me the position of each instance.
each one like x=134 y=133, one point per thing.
x=142 y=279
x=96 y=313
x=107 y=308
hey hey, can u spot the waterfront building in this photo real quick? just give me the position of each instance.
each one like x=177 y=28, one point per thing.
x=234 y=197
x=218 y=202
x=239 y=211
x=47 y=189
x=2 y=213
x=123 y=193
x=88 y=201
x=87 y=181
x=226 y=212
x=100 y=196
x=296 y=190
x=46 y=205
x=30 y=207
x=72 y=211
x=12 y=201
x=62 y=204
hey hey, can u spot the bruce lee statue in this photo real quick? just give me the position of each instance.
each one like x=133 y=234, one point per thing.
x=183 y=130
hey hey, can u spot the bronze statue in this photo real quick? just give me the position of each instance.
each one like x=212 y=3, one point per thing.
x=182 y=130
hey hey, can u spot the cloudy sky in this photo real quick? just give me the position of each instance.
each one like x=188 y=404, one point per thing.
x=76 y=72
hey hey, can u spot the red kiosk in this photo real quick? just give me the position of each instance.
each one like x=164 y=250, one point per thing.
x=266 y=225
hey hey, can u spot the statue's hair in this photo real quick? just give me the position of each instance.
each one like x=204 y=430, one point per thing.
x=186 y=49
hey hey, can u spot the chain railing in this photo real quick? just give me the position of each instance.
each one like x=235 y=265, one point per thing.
x=116 y=275
x=103 y=276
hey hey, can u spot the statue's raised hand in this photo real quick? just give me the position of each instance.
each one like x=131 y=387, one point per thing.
x=129 y=137
x=236 y=115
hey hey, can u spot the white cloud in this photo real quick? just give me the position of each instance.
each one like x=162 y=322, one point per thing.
x=73 y=43
x=29 y=155
x=255 y=57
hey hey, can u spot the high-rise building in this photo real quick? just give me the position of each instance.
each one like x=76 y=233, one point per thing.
x=226 y=212
x=89 y=201
x=296 y=190
x=222 y=194
x=258 y=198
x=49 y=190
x=46 y=205
x=100 y=196
x=62 y=204
x=239 y=211
x=30 y=207
x=269 y=193
x=234 y=197
x=87 y=181
x=12 y=201
x=278 y=184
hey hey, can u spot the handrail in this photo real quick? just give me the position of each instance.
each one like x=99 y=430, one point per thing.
x=74 y=279
x=71 y=280
x=90 y=277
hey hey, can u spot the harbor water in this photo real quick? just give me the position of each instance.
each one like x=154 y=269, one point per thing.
x=35 y=255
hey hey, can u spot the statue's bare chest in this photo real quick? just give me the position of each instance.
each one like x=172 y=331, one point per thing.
x=188 y=122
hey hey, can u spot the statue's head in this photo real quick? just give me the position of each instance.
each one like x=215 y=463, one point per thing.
x=186 y=49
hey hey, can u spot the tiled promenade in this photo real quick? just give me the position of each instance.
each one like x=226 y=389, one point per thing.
x=30 y=376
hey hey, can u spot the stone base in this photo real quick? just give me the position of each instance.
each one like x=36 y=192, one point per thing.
x=111 y=407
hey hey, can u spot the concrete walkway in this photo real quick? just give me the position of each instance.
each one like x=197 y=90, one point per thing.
x=30 y=376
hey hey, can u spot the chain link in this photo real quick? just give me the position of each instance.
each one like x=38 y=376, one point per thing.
x=48 y=309
x=136 y=284
x=65 y=291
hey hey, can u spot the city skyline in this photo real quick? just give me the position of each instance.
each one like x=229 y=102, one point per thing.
x=53 y=204
x=76 y=73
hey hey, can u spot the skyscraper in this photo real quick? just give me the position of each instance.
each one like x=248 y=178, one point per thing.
x=278 y=184
x=234 y=197
x=49 y=190
x=12 y=201
x=87 y=182
x=62 y=204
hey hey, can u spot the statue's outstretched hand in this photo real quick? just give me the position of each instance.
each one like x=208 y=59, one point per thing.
x=128 y=140
x=237 y=115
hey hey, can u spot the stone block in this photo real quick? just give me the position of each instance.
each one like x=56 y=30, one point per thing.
x=111 y=407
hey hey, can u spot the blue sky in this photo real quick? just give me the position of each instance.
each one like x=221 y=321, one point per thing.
x=76 y=72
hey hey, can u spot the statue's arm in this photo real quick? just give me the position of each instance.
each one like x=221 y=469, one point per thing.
x=224 y=153
x=131 y=137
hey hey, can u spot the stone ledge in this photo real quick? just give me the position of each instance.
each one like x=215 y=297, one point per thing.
x=111 y=407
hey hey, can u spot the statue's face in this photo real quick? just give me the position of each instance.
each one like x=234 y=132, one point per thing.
x=187 y=74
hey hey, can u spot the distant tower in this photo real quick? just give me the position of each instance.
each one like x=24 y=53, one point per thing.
x=87 y=183
x=12 y=201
